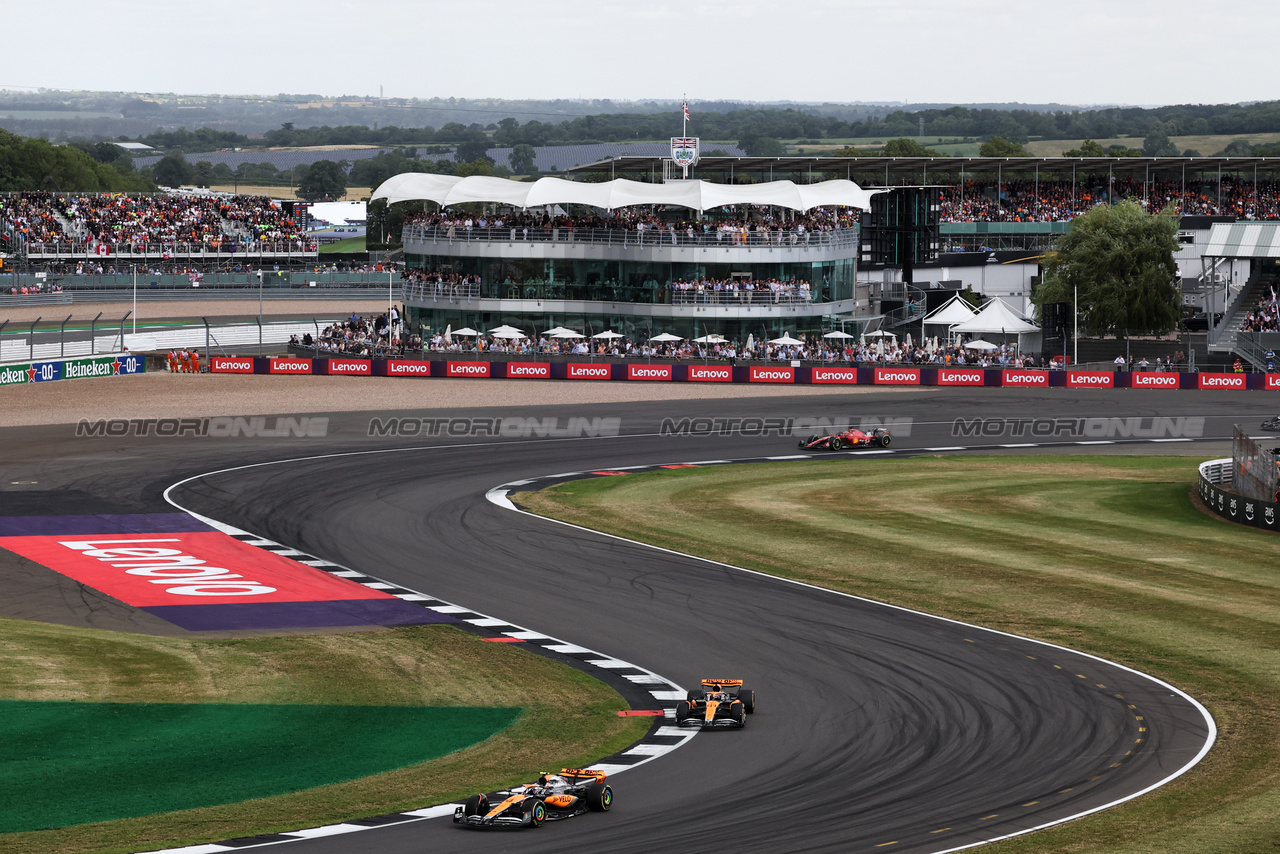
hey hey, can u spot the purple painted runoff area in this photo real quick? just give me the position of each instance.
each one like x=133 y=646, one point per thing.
x=388 y=611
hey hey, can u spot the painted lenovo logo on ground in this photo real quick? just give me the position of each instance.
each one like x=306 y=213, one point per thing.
x=179 y=573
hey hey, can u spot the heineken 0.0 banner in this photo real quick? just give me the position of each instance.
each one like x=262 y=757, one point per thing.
x=73 y=369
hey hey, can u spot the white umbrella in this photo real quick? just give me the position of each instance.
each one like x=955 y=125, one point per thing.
x=837 y=334
x=666 y=336
x=880 y=333
x=466 y=332
x=553 y=330
x=608 y=334
x=508 y=333
x=497 y=331
x=785 y=340
x=979 y=344
x=567 y=333
x=448 y=330
x=712 y=338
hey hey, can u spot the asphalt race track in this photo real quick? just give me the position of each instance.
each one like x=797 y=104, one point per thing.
x=875 y=725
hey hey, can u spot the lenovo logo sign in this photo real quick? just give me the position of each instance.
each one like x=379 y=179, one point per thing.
x=1084 y=379
x=1271 y=381
x=649 y=372
x=1220 y=381
x=710 y=374
x=835 y=375
x=897 y=376
x=1025 y=379
x=467 y=369
x=589 y=372
x=948 y=376
x=290 y=366
x=348 y=367
x=1145 y=380
x=230 y=365
x=405 y=368
x=773 y=375
x=529 y=370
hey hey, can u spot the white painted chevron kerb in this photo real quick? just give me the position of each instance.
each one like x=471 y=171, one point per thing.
x=498 y=496
x=652 y=746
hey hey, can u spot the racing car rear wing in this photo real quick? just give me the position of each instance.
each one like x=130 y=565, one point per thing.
x=726 y=683
x=582 y=773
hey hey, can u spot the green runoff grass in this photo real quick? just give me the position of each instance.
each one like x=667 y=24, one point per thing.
x=348 y=244
x=425 y=674
x=1109 y=555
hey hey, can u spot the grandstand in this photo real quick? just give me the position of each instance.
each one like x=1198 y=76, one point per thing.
x=43 y=227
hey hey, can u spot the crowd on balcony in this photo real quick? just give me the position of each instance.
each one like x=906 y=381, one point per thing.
x=739 y=291
x=384 y=335
x=1047 y=200
x=435 y=283
x=111 y=223
x=762 y=225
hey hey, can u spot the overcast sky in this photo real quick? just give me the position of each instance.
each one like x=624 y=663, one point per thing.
x=1145 y=52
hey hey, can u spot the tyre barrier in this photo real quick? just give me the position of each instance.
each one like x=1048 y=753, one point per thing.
x=770 y=373
x=1215 y=480
x=110 y=365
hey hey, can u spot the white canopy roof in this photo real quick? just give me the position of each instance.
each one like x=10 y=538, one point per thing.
x=954 y=310
x=448 y=190
x=995 y=316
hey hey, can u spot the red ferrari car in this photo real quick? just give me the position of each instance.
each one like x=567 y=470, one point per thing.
x=850 y=438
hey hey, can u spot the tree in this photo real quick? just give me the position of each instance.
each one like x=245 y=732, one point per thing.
x=1120 y=261
x=756 y=145
x=1000 y=147
x=173 y=170
x=522 y=159
x=474 y=149
x=324 y=180
x=203 y=175
x=479 y=166
x=1088 y=148
x=1157 y=143
x=1237 y=148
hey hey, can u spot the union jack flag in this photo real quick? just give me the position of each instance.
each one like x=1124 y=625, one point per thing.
x=686 y=111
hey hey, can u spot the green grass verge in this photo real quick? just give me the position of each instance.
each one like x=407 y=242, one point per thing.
x=567 y=718
x=71 y=763
x=1104 y=554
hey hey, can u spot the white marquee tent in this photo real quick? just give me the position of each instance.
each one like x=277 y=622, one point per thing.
x=447 y=190
x=994 y=317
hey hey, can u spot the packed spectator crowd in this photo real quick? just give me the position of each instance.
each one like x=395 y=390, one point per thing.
x=1047 y=200
x=763 y=225
x=744 y=291
x=111 y=223
x=384 y=335
x=433 y=282
x=1265 y=316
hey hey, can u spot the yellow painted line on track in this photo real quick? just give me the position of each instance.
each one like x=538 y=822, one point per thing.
x=985 y=817
x=883 y=844
x=1064 y=791
x=940 y=830
x=1030 y=803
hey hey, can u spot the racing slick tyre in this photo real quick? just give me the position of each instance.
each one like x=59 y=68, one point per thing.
x=748 y=698
x=599 y=797
x=476 y=805
x=836 y=443
x=739 y=713
x=536 y=810
x=694 y=695
x=885 y=440
x=682 y=711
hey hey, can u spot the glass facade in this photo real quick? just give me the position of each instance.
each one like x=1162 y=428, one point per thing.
x=629 y=281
